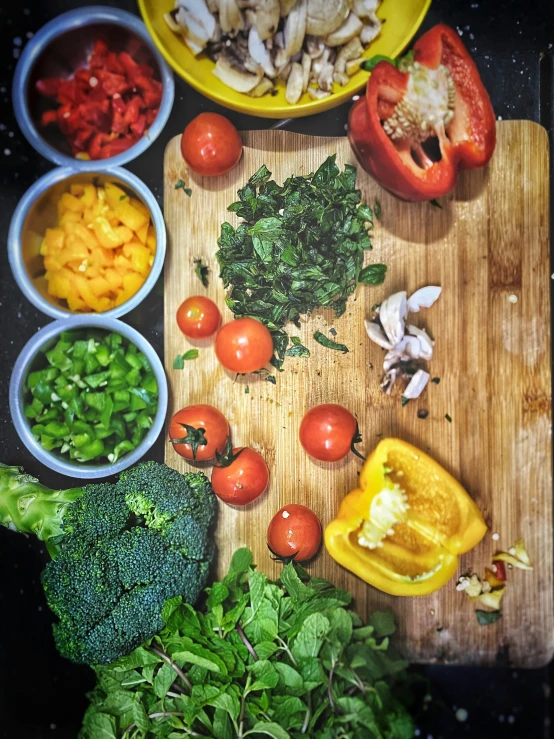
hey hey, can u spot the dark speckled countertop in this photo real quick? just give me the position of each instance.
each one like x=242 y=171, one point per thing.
x=42 y=695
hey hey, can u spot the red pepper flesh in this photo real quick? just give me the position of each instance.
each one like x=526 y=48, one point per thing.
x=440 y=95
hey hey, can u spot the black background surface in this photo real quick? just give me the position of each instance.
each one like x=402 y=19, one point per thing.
x=42 y=695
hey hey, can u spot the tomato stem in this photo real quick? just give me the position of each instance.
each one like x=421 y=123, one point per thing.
x=357 y=439
x=195 y=438
x=227 y=457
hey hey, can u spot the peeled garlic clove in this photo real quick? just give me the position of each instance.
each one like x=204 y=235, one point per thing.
x=376 y=334
x=425 y=341
x=417 y=385
x=423 y=298
x=392 y=313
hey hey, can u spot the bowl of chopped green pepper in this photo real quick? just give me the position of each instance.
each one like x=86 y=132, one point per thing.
x=88 y=396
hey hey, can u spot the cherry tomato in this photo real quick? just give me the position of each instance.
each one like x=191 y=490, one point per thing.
x=207 y=432
x=198 y=317
x=211 y=145
x=244 y=345
x=243 y=480
x=328 y=431
x=294 y=530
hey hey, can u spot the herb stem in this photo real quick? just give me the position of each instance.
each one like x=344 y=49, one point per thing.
x=243 y=707
x=246 y=643
x=330 y=687
x=172 y=664
x=162 y=714
x=284 y=646
x=307 y=716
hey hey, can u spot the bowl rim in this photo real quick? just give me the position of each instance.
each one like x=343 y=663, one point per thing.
x=15 y=250
x=284 y=111
x=74 y=19
x=21 y=369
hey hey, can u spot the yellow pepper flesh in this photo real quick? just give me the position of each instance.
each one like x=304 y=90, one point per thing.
x=418 y=554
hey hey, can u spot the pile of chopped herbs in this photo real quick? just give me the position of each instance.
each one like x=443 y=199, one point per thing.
x=300 y=247
x=285 y=659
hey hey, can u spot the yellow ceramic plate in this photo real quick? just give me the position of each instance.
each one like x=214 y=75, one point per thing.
x=401 y=19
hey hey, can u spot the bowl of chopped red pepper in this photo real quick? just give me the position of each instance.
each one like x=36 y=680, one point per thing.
x=91 y=90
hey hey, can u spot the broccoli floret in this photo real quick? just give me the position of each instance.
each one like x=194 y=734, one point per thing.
x=121 y=551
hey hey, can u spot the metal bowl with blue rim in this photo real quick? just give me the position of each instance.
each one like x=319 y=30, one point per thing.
x=60 y=48
x=33 y=358
x=37 y=211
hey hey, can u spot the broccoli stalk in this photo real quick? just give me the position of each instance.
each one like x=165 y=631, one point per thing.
x=119 y=552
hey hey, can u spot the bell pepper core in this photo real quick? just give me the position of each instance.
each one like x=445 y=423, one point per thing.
x=404 y=527
x=434 y=106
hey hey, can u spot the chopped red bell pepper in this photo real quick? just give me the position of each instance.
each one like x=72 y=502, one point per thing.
x=106 y=106
x=422 y=121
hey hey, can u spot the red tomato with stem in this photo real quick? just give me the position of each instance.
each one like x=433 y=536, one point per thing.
x=244 y=345
x=328 y=432
x=211 y=145
x=198 y=432
x=198 y=317
x=294 y=533
x=242 y=477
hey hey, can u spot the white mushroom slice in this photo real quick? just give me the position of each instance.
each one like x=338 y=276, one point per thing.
x=201 y=14
x=376 y=334
x=352 y=50
x=425 y=340
x=354 y=66
x=294 y=84
x=238 y=79
x=230 y=17
x=341 y=78
x=369 y=32
x=365 y=8
x=285 y=72
x=286 y=7
x=314 y=47
x=258 y=52
x=268 y=13
x=416 y=385
x=317 y=94
x=306 y=69
x=325 y=16
x=172 y=23
x=318 y=64
x=281 y=60
x=345 y=32
x=262 y=88
x=423 y=298
x=193 y=46
x=279 y=40
x=213 y=6
x=392 y=313
x=192 y=28
x=252 y=66
x=325 y=79
x=295 y=28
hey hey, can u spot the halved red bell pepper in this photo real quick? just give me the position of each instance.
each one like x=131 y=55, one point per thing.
x=422 y=121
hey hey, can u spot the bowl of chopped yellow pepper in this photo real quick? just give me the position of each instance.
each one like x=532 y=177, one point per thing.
x=82 y=243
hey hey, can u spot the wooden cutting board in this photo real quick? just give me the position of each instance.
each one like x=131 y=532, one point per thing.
x=489 y=250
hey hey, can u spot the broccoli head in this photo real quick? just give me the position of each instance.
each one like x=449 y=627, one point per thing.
x=119 y=552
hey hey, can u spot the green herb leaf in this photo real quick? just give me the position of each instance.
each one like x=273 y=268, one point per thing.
x=297 y=350
x=373 y=274
x=247 y=389
x=448 y=418
x=181 y=185
x=270 y=729
x=484 y=618
x=201 y=270
x=436 y=380
x=435 y=203
x=329 y=343
x=271 y=378
x=179 y=361
x=405 y=401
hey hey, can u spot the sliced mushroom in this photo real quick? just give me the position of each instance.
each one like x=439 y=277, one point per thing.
x=392 y=314
x=325 y=16
x=306 y=70
x=169 y=18
x=191 y=28
x=318 y=64
x=279 y=40
x=281 y=61
x=265 y=86
x=341 y=78
x=284 y=73
x=369 y=32
x=295 y=28
x=425 y=340
x=376 y=334
x=213 y=6
x=345 y=32
x=268 y=13
x=317 y=94
x=325 y=79
x=314 y=47
x=201 y=14
x=258 y=52
x=350 y=51
x=417 y=385
x=230 y=17
x=354 y=66
x=233 y=74
x=423 y=298
x=365 y=8
x=294 y=84
x=286 y=7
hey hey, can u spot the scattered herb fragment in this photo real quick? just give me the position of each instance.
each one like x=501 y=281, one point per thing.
x=329 y=343
x=297 y=349
x=405 y=401
x=373 y=274
x=122 y=197
x=247 y=389
x=180 y=359
x=377 y=210
x=181 y=185
x=333 y=331
x=271 y=378
x=436 y=380
x=435 y=203
x=448 y=417
x=201 y=270
x=484 y=618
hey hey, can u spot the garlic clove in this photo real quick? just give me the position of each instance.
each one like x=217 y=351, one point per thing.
x=417 y=385
x=423 y=298
x=376 y=334
x=425 y=341
x=392 y=313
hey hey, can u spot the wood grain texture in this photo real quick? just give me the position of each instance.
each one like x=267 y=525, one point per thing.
x=490 y=241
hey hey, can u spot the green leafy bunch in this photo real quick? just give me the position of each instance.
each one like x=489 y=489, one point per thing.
x=300 y=247
x=285 y=659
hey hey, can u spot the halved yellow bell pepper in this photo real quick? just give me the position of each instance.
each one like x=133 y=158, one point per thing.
x=404 y=527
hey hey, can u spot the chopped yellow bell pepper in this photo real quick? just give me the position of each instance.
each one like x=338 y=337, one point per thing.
x=404 y=527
